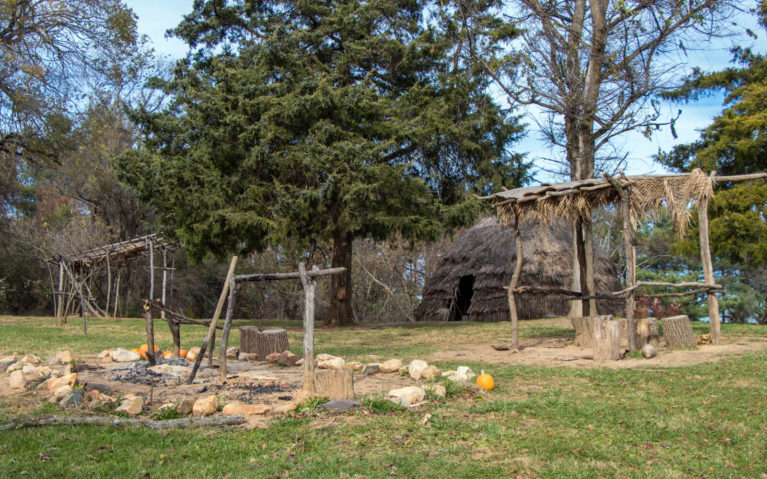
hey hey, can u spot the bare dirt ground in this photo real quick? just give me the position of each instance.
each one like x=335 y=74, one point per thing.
x=560 y=352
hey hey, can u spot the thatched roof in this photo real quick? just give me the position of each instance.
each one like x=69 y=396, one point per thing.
x=577 y=198
x=487 y=251
x=116 y=252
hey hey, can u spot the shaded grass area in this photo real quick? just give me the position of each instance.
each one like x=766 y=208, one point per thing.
x=705 y=420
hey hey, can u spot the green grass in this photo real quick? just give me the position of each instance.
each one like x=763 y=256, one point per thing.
x=705 y=420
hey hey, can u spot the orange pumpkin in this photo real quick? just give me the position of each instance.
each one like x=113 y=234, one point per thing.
x=182 y=353
x=485 y=381
x=136 y=350
x=167 y=354
x=143 y=348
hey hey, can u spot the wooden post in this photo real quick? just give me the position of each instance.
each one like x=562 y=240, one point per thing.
x=149 y=320
x=151 y=269
x=175 y=332
x=628 y=248
x=109 y=285
x=227 y=327
x=164 y=278
x=211 y=346
x=117 y=292
x=580 y=252
x=214 y=320
x=588 y=243
x=60 y=303
x=309 y=287
x=708 y=269
x=172 y=270
x=513 y=285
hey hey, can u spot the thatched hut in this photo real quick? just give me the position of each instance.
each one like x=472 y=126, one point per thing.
x=469 y=280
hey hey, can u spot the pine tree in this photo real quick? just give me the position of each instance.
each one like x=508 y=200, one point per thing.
x=320 y=120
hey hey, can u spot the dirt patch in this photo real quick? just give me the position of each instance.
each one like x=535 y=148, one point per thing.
x=560 y=352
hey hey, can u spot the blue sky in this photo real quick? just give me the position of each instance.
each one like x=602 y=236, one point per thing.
x=156 y=17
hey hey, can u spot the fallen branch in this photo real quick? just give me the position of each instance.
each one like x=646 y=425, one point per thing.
x=181 y=423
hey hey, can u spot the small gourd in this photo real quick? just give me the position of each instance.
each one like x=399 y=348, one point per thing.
x=485 y=381
x=182 y=353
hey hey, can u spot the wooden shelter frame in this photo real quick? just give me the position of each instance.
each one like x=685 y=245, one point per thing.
x=76 y=273
x=229 y=296
x=637 y=196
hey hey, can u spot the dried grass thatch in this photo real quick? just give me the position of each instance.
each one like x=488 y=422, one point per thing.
x=578 y=198
x=487 y=251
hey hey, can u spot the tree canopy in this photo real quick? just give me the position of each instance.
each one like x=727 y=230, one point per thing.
x=319 y=121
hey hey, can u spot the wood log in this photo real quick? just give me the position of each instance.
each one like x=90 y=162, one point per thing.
x=281 y=276
x=222 y=370
x=647 y=332
x=607 y=339
x=334 y=384
x=181 y=423
x=310 y=285
x=678 y=331
x=263 y=342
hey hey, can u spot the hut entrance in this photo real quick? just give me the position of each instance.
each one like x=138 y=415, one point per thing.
x=462 y=299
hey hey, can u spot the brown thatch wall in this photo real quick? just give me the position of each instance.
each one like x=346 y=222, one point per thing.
x=487 y=251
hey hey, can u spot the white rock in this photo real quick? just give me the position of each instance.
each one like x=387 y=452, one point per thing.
x=107 y=353
x=408 y=396
x=124 y=356
x=390 y=366
x=462 y=374
x=34 y=372
x=448 y=373
x=17 y=380
x=52 y=384
x=416 y=367
x=192 y=354
x=323 y=357
x=185 y=405
x=131 y=405
x=649 y=351
x=438 y=390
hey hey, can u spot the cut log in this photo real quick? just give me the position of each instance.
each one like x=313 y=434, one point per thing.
x=647 y=332
x=678 y=331
x=607 y=339
x=263 y=342
x=334 y=384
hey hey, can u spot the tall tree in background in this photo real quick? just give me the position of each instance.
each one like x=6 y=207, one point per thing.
x=734 y=143
x=322 y=121
x=593 y=68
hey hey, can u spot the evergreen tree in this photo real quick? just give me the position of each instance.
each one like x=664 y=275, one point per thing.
x=734 y=143
x=320 y=120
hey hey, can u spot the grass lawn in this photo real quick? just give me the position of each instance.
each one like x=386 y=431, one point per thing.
x=707 y=420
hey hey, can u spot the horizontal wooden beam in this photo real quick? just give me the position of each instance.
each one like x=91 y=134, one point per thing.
x=280 y=276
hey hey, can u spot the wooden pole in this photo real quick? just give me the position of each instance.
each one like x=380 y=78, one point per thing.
x=172 y=270
x=582 y=273
x=708 y=269
x=151 y=269
x=117 y=292
x=513 y=285
x=149 y=320
x=109 y=285
x=588 y=243
x=60 y=303
x=216 y=314
x=227 y=327
x=628 y=248
x=309 y=287
x=164 y=277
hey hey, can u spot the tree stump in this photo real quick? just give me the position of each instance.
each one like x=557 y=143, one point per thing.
x=678 y=331
x=607 y=338
x=334 y=384
x=584 y=330
x=647 y=332
x=263 y=342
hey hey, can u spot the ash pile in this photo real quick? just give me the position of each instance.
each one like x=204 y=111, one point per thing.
x=167 y=372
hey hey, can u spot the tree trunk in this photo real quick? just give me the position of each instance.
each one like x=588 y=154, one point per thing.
x=340 y=313
x=582 y=273
x=678 y=331
x=647 y=332
x=607 y=339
